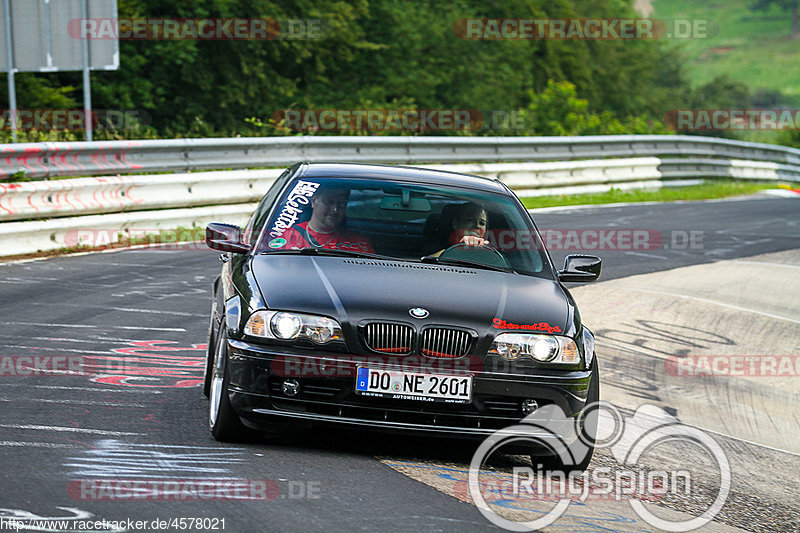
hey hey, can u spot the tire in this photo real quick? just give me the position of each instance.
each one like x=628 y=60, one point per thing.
x=589 y=428
x=588 y=433
x=210 y=352
x=210 y=348
x=223 y=421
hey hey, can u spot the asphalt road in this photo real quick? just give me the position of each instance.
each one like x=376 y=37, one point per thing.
x=673 y=235
x=138 y=319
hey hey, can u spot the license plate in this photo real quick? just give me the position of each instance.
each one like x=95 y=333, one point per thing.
x=413 y=385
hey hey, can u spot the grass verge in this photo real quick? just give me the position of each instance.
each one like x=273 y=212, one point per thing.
x=707 y=191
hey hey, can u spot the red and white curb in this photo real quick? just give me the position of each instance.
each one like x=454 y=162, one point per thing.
x=784 y=193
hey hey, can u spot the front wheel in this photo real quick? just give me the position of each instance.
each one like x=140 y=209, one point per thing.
x=222 y=419
x=210 y=355
x=583 y=448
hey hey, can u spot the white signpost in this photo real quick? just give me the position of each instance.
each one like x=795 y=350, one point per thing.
x=36 y=38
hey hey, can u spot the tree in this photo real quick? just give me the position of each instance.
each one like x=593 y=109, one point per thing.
x=784 y=5
x=383 y=54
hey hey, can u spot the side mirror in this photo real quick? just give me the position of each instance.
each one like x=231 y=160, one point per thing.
x=225 y=238
x=580 y=268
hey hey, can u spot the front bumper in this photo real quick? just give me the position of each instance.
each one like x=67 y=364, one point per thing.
x=327 y=393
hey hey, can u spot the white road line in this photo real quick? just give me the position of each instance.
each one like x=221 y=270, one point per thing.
x=71 y=430
x=135 y=249
x=6 y=262
x=94 y=327
x=90 y=389
x=37 y=444
x=123 y=309
x=90 y=339
x=714 y=302
x=101 y=263
x=79 y=402
x=223 y=451
x=28 y=280
x=640 y=254
x=107 y=354
x=745 y=440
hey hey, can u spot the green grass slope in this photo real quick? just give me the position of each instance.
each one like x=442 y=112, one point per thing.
x=754 y=47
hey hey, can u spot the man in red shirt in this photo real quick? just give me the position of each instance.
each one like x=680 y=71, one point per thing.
x=324 y=229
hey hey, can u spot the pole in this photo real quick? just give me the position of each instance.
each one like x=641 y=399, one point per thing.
x=87 y=80
x=12 y=88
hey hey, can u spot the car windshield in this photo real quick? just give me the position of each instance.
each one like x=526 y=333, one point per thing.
x=406 y=221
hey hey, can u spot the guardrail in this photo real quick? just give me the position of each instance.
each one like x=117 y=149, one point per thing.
x=112 y=194
x=675 y=168
x=50 y=160
x=98 y=210
x=18 y=238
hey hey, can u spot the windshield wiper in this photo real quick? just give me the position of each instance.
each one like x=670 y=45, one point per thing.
x=310 y=250
x=463 y=262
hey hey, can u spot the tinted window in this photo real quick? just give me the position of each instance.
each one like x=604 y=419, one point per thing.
x=405 y=221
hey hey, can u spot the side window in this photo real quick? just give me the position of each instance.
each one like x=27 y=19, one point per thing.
x=259 y=218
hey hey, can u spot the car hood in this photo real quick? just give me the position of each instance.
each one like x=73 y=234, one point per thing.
x=357 y=290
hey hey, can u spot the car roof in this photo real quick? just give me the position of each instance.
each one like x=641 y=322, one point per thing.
x=414 y=174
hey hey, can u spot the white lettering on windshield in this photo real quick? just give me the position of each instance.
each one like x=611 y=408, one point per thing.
x=292 y=209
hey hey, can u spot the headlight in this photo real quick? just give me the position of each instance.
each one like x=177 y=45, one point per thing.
x=288 y=326
x=285 y=325
x=543 y=348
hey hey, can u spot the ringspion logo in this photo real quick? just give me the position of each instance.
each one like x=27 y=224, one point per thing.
x=628 y=439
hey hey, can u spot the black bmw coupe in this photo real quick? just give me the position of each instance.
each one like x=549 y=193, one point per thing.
x=392 y=298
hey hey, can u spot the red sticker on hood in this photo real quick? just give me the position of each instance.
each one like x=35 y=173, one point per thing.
x=541 y=326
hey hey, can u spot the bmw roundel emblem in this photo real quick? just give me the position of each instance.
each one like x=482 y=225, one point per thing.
x=418 y=312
